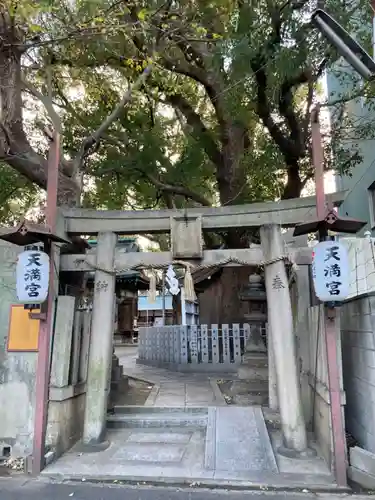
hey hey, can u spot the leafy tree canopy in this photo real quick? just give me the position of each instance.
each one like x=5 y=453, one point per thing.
x=173 y=103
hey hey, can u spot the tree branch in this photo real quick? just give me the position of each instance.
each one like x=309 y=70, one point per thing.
x=47 y=103
x=286 y=108
x=178 y=190
x=96 y=136
x=194 y=120
x=264 y=110
x=164 y=187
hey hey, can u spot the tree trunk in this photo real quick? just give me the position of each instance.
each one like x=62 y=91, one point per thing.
x=15 y=148
x=230 y=174
x=220 y=302
x=293 y=185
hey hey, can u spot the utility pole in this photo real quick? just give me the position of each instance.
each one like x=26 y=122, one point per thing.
x=331 y=319
x=46 y=316
x=327 y=219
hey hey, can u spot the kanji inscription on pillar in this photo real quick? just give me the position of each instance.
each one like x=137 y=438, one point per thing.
x=330 y=271
x=277 y=283
x=32 y=274
x=101 y=286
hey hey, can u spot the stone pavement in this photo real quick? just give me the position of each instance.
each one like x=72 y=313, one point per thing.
x=173 y=388
x=186 y=434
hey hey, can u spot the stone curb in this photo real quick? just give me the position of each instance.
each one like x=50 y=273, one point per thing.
x=237 y=485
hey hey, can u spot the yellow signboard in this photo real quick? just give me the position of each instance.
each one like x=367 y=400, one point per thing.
x=23 y=331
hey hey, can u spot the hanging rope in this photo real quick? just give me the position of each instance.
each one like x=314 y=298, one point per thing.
x=190 y=294
x=289 y=258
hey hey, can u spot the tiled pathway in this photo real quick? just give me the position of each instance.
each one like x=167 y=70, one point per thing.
x=172 y=388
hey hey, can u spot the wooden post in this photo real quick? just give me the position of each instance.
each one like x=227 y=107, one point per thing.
x=281 y=323
x=101 y=346
x=46 y=324
x=330 y=316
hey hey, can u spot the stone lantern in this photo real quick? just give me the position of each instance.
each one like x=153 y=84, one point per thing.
x=254 y=296
x=251 y=386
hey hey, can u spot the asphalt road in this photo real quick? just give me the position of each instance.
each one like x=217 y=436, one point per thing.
x=22 y=489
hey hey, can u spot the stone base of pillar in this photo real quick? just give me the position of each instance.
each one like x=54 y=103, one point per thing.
x=251 y=387
x=299 y=455
x=255 y=342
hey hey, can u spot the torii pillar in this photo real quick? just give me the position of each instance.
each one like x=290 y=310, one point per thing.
x=280 y=321
x=101 y=345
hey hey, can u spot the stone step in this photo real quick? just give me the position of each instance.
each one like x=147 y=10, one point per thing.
x=255 y=360
x=251 y=399
x=162 y=419
x=161 y=447
x=250 y=386
x=149 y=410
x=253 y=373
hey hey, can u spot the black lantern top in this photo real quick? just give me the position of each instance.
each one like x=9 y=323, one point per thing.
x=331 y=222
x=26 y=233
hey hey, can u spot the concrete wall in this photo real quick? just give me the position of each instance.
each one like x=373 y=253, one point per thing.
x=358 y=351
x=361 y=253
x=65 y=422
x=17 y=377
x=17 y=370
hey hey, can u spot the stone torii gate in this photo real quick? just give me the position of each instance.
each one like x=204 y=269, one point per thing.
x=186 y=244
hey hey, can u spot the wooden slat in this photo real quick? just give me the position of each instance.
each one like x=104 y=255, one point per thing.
x=177 y=344
x=215 y=344
x=184 y=346
x=285 y=212
x=204 y=343
x=226 y=349
x=170 y=345
x=148 y=340
x=193 y=344
x=252 y=256
x=236 y=343
x=141 y=344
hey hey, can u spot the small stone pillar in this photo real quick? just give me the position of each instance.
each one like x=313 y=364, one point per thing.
x=281 y=324
x=101 y=346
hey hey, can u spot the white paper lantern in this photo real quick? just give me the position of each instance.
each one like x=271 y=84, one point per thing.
x=330 y=271
x=32 y=277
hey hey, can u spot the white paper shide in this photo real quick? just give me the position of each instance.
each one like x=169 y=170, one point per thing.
x=32 y=277
x=330 y=271
x=172 y=281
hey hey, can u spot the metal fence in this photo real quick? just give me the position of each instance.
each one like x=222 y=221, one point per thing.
x=195 y=344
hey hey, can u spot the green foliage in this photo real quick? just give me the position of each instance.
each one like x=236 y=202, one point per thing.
x=17 y=195
x=204 y=52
